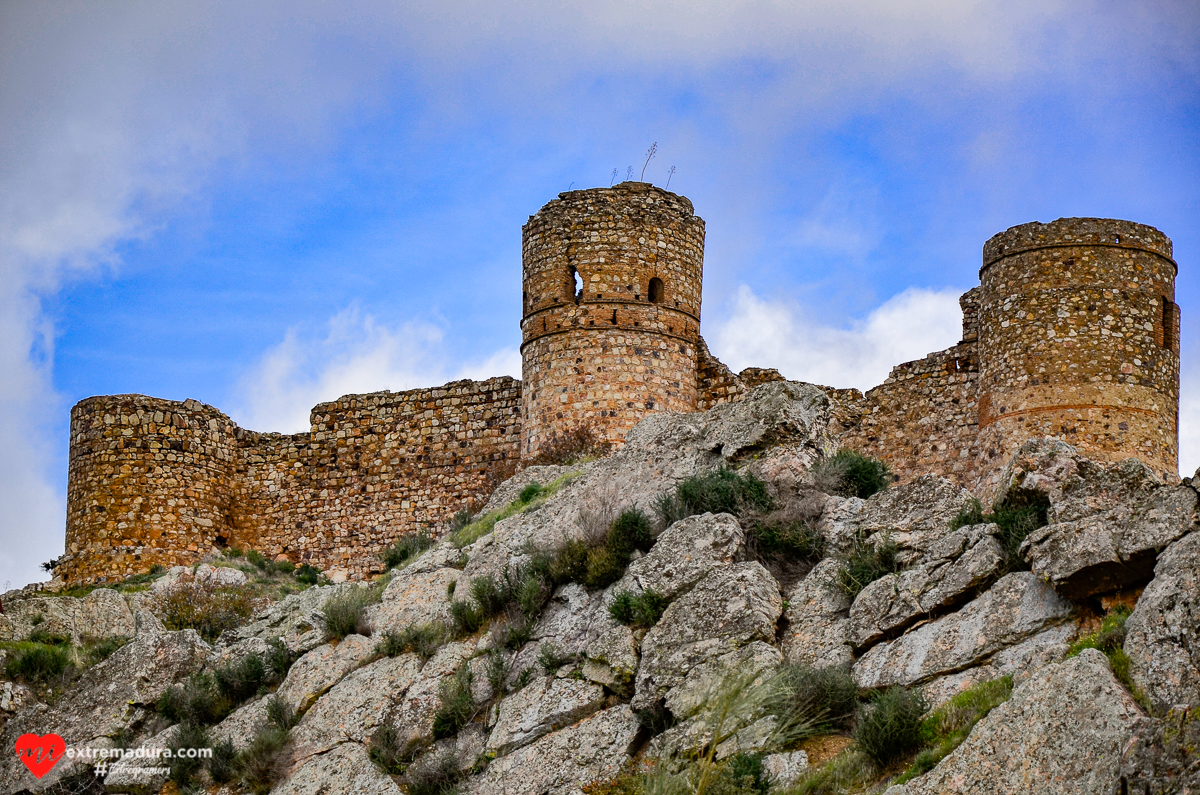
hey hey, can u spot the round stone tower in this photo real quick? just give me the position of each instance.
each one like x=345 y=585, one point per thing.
x=150 y=482
x=611 y=311
x=1079 y=339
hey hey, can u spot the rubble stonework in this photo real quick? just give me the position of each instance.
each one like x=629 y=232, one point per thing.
x=1073 y=333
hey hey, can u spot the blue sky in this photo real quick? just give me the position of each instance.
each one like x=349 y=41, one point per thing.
x=265 y=205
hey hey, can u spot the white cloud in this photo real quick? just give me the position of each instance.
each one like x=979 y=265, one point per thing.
x=762 y=333
x=356 y=355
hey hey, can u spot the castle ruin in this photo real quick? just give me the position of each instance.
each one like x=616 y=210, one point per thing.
x=1073 y=332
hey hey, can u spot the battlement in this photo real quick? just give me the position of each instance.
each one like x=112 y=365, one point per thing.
x=1072 y=332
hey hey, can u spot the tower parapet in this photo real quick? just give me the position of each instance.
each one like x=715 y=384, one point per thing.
x=1079 y=339
x=610 y=310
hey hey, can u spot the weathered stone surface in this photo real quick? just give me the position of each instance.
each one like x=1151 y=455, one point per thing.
x=612 y=658
x=109 y=695
x=784 y=770
x=1163 y=634
x=1061 y=732
x=241 y=725
x=729 y=608
x=1161 y=758
x=345 y=770
x=569 y=621
x=355 y=706
x=413 y=597
x=321 y=669
x=142 y=774
x=703 y=681
x=949 y=573
x=14 y=696
x=1018 y=606
x=1107 y=521
x=201 y=574
x=561 y=762
x=1032 y=654
x=539 y=708
x=683 y=554
x=296 y=619
x=414 y=715
x=103 y=613
x=915 y=515
x=817 y=620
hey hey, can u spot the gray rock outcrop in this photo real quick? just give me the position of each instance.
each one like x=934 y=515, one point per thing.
x=539 y=708
x=818 y=611
x=103 y=613
x=683 y=554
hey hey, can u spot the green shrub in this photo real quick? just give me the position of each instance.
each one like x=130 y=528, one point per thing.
x=240 y=680
x=530 y=492
x=550 y=659
x=308 y=574
x=743 y=775
x=866 y=562
x=264 y=761
x=1110 y=639
x=852 y=474
x=422 y=639
x=468 y=618
x=515 y=632
x=222 y=765
x=790 y=540
x=278 y=660
x=948 y=725
x=849 y=771
x=48 y=638
x=280 y=713
x=821 y=698
x=183 y=767
x=38 y=664
x=436 y=774
x=638 y=610
x=208 y=609
x=456 y=705
x=460 y=520
x=498 y=666
x=345 y=614
x=407 y=548
x=102 y=648
x=890 y=726
x=198 y=701
x=1018 y=515
x=721 y=491
x=631 y=530
x=387 y=750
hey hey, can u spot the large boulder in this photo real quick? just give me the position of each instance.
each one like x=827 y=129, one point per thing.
x=413 y=597
x=570 y=620
x=322 y=668
x=816 y=631
x=103 y=613
x=1163 y=757
x=355 y=706
x=560 y=763
x=1017 y=607
x=729 y=608
x=683 y=554
x=414 y=715
x=346 y=769
x=539 y=708
x=1108 y=522
x=1163 y=634
x=916 y=516
x=951 y=572
x=1061 y=733
x=108 y=697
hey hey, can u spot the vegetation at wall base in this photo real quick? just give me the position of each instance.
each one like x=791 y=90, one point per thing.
x=722 y=490
x=866 y=562
x=209 y=609
x=572 y=446
x=849 y=473
x=407 y=548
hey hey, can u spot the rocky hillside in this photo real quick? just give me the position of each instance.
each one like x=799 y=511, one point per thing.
x=722 y=606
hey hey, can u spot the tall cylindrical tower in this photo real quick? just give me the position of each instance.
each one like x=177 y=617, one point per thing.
x=1079 y=339
x=611 y=310
x=150 y=482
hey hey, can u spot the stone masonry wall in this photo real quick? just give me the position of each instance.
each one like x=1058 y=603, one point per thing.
x=160 y=482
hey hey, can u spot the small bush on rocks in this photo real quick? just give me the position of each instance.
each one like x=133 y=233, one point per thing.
x=948 y=725
x=498 y=666
x=406 y=549
x=278 y=660
x=308 y=574
x=264 y=761
x=421 y=639
x=849 y=473
x=39 y=664
x=222 y=765
x=638 y=610
x=209 y=609
x=551 y=659
x=866 y=562
x=240 y=680
x=345 y=613
x=184 y=768
x=890 y=726
x=822 y=698
x=721 y=491
x=436 y=774
x=1018 y=515
x=387 y=750
x=1110 y=639
x=198 y=701
x=456 y=705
